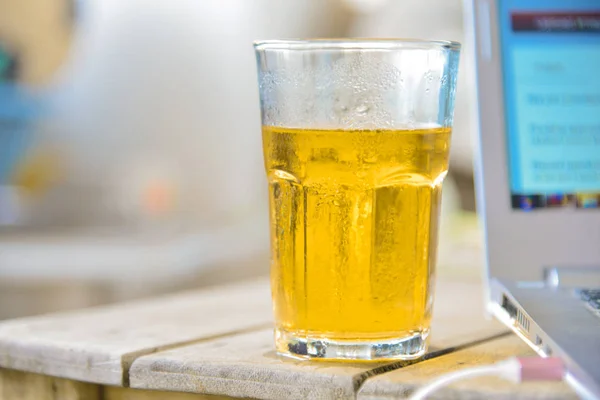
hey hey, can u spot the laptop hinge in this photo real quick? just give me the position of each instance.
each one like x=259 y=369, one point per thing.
x=572 y=277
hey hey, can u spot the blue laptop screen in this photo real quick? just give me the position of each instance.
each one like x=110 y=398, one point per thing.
x=551 y=61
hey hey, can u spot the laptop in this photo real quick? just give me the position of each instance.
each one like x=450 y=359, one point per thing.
x=537 y=173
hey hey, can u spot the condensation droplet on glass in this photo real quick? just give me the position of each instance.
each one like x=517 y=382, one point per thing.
x=362 y=109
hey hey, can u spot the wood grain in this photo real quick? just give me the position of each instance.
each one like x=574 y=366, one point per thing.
x=399 y=384
x=16 y=385
x=118 y=393
x=245 y=365
x=97 y=345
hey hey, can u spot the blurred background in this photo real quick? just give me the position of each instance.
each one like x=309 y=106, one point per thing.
x=130 y=148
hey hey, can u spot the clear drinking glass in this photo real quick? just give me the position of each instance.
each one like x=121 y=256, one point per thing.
x=356 y=135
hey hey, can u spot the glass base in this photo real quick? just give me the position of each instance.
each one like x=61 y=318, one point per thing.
x=316 y=348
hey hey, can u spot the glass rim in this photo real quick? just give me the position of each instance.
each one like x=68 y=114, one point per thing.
x=355 y=44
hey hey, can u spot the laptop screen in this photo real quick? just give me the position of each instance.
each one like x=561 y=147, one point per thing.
x=551 y=61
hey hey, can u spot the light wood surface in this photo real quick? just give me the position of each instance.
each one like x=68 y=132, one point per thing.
x=246 y=366
x=118 y=393
x=218 y=342
x=17 y=385
x=98 y=345
x=400 y=383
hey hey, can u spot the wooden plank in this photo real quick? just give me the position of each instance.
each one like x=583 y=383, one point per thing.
x=119 y=393
x=16 y=385
x=245 y=365
x=400 y=383
x=98 y=345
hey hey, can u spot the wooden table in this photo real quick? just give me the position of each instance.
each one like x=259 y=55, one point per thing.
x=219 y=342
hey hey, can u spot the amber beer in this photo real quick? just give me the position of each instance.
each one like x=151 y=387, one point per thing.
x=354 y=219
x=356 y=136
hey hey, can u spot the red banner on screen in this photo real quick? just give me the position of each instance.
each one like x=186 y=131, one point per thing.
x=556 y=22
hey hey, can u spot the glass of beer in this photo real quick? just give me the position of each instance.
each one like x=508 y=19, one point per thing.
x=356 y=136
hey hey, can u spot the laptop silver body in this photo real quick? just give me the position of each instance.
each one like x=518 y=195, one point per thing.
x=537 y=173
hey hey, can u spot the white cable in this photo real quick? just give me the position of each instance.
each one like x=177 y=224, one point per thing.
x=508 y=369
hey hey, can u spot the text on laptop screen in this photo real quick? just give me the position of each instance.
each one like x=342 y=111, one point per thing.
x=551 y=61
